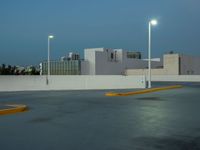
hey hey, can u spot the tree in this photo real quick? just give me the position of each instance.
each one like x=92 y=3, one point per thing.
x=3 y=69
x=9 y=70
x=33 y=71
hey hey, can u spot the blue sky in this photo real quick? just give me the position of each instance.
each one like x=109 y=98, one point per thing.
x=79 y=24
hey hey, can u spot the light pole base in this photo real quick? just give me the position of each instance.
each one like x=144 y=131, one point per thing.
x=47 y=81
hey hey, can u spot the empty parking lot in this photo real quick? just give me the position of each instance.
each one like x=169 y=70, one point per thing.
x=77 y=120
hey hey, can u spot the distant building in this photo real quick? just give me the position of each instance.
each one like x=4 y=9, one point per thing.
x=68 y=65
x=173 y=64
x=71 y=56
x=105 y=61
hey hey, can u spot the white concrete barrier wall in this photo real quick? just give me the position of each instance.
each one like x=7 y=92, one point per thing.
x=76 y=82
x=176 y=78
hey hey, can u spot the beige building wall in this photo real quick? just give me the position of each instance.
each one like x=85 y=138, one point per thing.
x=170 y=67
x=171 y=64
x=190 y=65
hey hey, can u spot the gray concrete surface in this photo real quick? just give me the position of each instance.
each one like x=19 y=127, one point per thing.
x=87 y=120
x=69 y=82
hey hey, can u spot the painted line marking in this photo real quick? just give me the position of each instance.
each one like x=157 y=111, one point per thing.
x=15 y=108
x=144 y=91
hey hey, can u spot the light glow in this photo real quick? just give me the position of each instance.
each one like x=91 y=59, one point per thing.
x=154 y=22
x=51 y=36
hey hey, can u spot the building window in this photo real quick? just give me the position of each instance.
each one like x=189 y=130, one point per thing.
x=134 y=55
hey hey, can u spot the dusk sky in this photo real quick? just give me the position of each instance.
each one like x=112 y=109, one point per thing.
x=79 y=24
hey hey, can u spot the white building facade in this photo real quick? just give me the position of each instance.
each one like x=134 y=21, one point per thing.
x=105 y=61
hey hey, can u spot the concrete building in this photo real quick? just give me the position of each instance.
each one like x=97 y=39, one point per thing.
x=173 y=64
x=68 y=65
x=70 y=56
x=105 y=61
x=97 y=61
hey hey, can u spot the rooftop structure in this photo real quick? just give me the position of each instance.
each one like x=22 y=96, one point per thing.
x=173 y=64
x=105 y=61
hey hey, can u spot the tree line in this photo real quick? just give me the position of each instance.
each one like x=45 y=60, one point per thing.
x=14 y=70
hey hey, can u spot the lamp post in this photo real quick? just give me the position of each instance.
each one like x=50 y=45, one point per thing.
x=48 y=74
x=151 y=23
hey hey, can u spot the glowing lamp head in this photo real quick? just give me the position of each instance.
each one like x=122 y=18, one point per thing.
x=51 y=36
x=154 y=22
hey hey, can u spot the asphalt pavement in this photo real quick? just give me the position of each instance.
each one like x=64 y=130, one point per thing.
x=88 y=120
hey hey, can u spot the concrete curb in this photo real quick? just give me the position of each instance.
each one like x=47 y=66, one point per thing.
x=144 y=91
x=14 y=109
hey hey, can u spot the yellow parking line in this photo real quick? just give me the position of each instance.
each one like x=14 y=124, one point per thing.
x=14 y=109
x=144 y=91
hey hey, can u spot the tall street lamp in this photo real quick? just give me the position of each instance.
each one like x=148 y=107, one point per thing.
x=151 y=23
x=49 y=38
